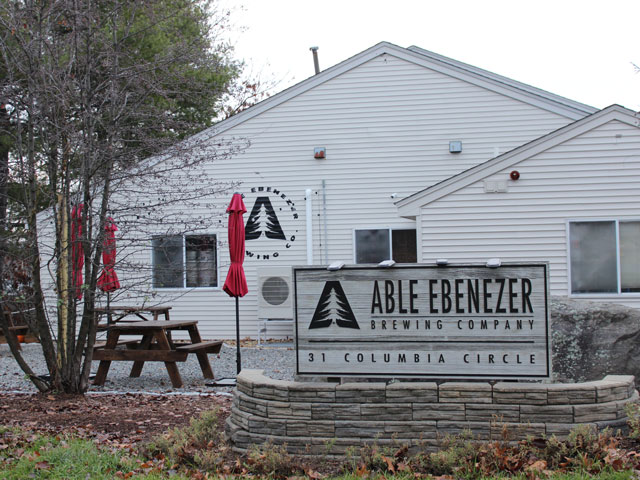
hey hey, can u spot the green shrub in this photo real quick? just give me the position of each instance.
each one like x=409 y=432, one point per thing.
x=271 y=460
x=201 y=442
x=633 y=419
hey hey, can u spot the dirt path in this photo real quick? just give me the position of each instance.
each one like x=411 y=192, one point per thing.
x=134 y=417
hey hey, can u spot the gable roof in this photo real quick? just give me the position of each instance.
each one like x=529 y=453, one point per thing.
x=491 y=81
x=410 y=206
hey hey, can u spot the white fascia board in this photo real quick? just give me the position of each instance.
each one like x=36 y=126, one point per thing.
x=507 y=82
x=410 y=206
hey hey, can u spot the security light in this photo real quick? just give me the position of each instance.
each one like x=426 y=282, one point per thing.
x=494 y=263
x=387 y=263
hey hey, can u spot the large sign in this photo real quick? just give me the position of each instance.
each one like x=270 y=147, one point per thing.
x=465 y=321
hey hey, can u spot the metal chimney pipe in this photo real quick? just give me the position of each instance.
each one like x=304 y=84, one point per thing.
x=316 y=64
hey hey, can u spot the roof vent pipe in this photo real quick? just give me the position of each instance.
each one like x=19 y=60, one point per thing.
x=316 y=64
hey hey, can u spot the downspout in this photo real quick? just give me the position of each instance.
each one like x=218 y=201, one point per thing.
x=307 y=195
x=324 y=215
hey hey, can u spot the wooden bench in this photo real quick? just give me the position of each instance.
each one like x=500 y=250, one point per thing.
x=127 y=343
x=208 y=346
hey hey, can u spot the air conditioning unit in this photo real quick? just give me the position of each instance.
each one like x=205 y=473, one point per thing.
x=275 y=292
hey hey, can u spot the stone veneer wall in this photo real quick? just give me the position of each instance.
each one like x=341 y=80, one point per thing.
x=328 y=418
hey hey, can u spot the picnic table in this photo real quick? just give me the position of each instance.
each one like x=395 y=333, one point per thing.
x=154 y=345
x=138 y=312
x=16 y=317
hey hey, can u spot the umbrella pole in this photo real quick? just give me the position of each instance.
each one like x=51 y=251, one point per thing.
x=108 y=308
x=238 y=360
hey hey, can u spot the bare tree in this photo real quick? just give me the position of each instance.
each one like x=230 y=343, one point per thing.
x=99 y=98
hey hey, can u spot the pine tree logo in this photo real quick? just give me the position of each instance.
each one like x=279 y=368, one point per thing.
x=333 y=305
x=263 y=219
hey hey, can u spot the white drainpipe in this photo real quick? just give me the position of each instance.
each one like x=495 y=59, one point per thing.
x=307 y=194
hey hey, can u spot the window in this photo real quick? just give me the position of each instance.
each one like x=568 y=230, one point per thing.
x=376 y=245
x=605 y=256
x=185 y=261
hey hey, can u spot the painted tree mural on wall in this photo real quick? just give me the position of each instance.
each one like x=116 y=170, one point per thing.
x=263 y=218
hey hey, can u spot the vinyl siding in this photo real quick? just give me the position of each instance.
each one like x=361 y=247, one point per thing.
x=386 y=125
x=593 y=176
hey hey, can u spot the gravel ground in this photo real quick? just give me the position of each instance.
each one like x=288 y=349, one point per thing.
x=276 y=360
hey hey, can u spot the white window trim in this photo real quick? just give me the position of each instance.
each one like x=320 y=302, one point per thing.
x=616 y=222
x=390 y=229
x=184 y=262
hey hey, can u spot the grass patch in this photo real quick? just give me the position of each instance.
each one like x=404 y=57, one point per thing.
x=25 y=455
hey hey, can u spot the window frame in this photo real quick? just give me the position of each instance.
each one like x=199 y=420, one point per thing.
x=390 y=233
x=616 y=222
x=184 y=262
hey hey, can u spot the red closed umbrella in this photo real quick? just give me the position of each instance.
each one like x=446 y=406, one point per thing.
x=108 y=279
x=236 y=283
x=77 y=252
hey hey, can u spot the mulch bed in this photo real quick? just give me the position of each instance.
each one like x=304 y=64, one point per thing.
x=136 y=417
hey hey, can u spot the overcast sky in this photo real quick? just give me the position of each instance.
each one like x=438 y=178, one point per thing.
x=582 y=50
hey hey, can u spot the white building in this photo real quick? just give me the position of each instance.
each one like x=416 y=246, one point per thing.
x=392 y=122
x=575 y=204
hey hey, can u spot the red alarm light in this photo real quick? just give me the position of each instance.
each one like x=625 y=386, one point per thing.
x=515 y=175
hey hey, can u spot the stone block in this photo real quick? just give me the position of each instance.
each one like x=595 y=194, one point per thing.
x=316 y=428
x=611 y=393
x=595 y=413
x=361 y=393
x=560 y=430
x=416 y=430
x=249 y=377
x=267 y=426
x=386 y=411
x=478 y=430
x=240 y=418
x=438 y=411
x=481 y=412
x=571 y=394
x=358 y=429
x=288 y=410
x=546 y=413
x=244 y=388
x=520 y=393
x=516 y=431
x=421 y=392
x=614 y=387
x=462 y=392
x=270 y=393
x=311 y=386
x=614 y=425
x=307 y=392
x=332 y=446
x=252 y=405
x=335 y=411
